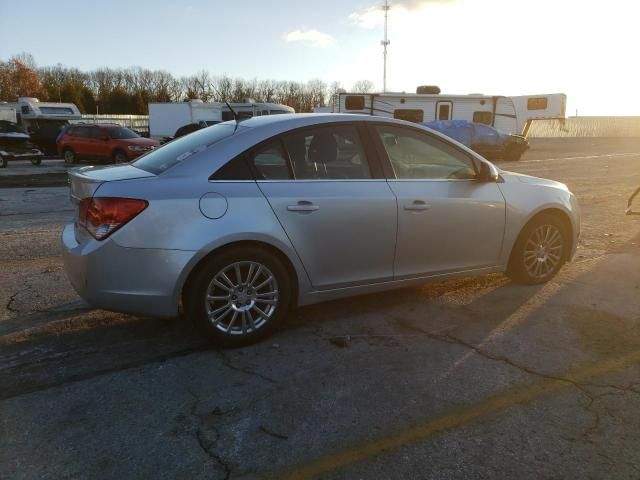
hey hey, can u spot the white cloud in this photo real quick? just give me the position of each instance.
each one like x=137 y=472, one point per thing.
x=311 y=37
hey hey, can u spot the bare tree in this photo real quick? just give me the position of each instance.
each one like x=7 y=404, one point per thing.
x=363 y=86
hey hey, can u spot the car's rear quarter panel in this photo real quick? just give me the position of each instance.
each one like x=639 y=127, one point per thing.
x=174 y=220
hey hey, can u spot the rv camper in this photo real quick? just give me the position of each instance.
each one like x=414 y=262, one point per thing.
x=165 y=119
x=509 y=114
x=44 y=120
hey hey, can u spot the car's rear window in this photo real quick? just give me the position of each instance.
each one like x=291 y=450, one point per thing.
x=174 y=152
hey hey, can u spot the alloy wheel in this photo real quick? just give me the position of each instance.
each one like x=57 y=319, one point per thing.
x=241 y=298
x=543 y=251
x=69 y=157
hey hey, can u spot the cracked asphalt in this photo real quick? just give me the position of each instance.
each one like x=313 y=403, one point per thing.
x=472 y=378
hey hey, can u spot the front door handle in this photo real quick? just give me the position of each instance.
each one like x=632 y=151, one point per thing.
x=417 y=206
x=303 y=206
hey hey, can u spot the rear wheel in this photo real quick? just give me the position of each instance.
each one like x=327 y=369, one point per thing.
x=69 y=156
x=540 y=251
x=239 y=296
x=120 y=157
x=36 y=161
x=3 y=162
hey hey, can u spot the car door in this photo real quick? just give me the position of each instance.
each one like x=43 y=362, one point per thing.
x=448 y=221
x=328 y=192
x=99 y=143
x=80 y=143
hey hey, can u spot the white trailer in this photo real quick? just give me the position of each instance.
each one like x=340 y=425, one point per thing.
x=166 y=118
x=509 y=114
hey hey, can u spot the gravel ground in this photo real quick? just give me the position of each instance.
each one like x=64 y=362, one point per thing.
x=473 y=378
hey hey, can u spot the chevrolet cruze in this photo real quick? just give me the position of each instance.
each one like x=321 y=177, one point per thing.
x=236 y=223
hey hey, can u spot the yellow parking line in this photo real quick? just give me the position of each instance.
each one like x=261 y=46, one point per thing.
x=462 y=416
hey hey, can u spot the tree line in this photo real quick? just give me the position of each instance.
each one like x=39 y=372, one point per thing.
x=130 y=90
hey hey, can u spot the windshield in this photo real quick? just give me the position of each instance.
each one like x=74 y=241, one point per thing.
x=165 y=157
x=121 y=133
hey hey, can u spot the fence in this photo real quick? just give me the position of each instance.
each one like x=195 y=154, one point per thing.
x=567 y=127
x=139 y=123
x=586 y=127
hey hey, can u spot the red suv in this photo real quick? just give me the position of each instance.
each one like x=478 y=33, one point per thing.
x=103 y=142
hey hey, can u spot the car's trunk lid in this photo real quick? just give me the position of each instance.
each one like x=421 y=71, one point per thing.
x=84 y=181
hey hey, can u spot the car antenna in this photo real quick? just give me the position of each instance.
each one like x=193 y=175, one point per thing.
x=233 y=112
x=235 y=115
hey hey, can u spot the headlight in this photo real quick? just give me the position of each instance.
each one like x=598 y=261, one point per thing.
x=136 y=148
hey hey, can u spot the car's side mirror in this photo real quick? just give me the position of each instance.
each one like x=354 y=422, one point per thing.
x=487 y=173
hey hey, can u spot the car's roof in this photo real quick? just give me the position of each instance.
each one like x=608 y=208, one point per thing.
x=292 y=120
x=99 y=125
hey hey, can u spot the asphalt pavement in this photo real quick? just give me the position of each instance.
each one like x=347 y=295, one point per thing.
x=472 y=378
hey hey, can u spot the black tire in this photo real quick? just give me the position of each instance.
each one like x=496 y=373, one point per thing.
x=69 y=156
x=513 y=153
x=201 y=291
x=3 y=162
x=528 y=253
x=120 y=157
x=36 y=161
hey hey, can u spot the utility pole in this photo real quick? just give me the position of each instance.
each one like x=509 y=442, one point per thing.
x=385 y=43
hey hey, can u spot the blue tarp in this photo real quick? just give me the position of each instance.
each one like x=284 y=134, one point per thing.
x=469 y=133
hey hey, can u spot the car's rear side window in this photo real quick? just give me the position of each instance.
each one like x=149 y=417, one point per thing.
x=235 y=169
x=270 y=161
x=82 y=132
x=331 y=152
x=172 y=153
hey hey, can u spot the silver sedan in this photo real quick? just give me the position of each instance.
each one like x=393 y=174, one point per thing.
x=236 y=223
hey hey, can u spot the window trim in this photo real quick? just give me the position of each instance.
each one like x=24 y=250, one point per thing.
x=376 y=164
x=535 y=101
x=449 y=104
x=485 y=113
x=405 y=110
x=386 y=161
x=350 y=97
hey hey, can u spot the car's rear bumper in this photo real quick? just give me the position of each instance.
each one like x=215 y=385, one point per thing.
x=130 y=280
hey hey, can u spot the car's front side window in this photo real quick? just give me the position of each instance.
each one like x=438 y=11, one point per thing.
x=414 y=155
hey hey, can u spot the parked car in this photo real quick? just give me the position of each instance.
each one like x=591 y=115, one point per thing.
x=102 y=142
x=486 y=140
x=15 y=144
x=238 y=222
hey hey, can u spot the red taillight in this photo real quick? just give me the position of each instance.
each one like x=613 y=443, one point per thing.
x=102 y=216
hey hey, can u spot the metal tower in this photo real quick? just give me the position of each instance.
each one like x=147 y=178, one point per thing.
x=385 y=43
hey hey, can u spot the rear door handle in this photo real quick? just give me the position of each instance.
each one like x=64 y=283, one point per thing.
x=303 y=206
x=417 y=206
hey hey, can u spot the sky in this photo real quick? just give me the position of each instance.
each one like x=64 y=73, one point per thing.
x=583 y=48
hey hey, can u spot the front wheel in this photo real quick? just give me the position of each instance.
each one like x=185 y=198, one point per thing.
x=540 y=251
x=239 y=296
x=36 y=161
x=3 y=162
x=120 y=157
